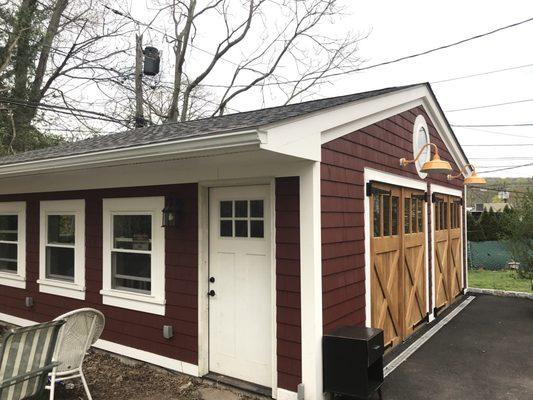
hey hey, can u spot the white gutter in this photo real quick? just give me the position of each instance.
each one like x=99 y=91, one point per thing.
x=248 y=138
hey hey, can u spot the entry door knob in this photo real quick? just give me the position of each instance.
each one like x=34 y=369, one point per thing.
x=211 y=293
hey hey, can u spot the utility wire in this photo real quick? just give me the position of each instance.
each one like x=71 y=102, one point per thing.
x=497 y=145
x=506 y=168
x=489 y=125
x=456 y=78
x=325 y=76
x=490 y=105
x=499 y=133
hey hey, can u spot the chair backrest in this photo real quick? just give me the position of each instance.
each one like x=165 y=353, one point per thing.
x=26 y=359
x=82 y=328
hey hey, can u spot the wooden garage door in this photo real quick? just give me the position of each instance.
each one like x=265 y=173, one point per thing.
x=447 y=253
x=398 y=280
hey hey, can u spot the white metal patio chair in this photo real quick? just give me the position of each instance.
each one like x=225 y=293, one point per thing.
x=26 y=360
x=82 y=329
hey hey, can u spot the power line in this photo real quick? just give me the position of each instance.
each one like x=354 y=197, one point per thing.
x=497 y=145
x=507 y=168
x=501 y=158
x=491 y=105
x=489 y=125
x=498 y=133
x=481 y=74
x=64 y=110
x=325 y=76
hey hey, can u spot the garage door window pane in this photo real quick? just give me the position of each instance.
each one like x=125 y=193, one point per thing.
x=377 y=227
x=395 y=215
x=406 y=215
x=61 y=229
x=60 y=263
x=420 y=215
x=8 y=257
x=386 y=215
x=413 y=216
x=131 y=271
x=9 y=228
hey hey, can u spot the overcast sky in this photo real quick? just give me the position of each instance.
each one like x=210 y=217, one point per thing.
x=401 y=28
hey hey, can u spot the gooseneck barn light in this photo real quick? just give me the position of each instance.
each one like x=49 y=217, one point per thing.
x=472 y=179
x=434 y=165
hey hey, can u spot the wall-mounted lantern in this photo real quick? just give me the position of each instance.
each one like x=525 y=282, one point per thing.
x=170 y=213
x=435 y=165
x=472 y=179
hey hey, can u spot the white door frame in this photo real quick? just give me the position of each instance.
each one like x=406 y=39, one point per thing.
x=203 y=270
x=371 y=174
x=434 y=188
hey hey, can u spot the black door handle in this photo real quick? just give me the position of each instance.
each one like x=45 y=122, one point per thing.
x=211 y=293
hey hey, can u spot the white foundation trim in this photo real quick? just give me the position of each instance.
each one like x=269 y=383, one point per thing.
x=391 y=179
x=284 y=394
x=124 y=351
x=424 y=338
x=311 y=281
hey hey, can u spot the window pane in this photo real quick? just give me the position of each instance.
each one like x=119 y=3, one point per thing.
x=241 y=228
x=445 y=216
x=61 y=229
x=132 y=232
x=407 y=214
x=256 y=208
x=386 y=215
x=395 y=216
x=414 y=225
x=8 y=257
x=131 y=271
x=241 y=209
x=226 y=228
x=420 y=211
x=8 y=228
x=257 y=229
x=60 y=263
x=226 y=209
x=377 y=228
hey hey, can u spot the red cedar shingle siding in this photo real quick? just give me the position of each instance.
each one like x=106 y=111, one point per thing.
x=378 y=146
x=288 y=282
x=130 y=328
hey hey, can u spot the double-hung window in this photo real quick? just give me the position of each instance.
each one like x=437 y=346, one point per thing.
x=62 y=248
x=133 y=254
x=13 y=244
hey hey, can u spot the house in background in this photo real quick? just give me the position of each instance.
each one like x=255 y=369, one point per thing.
x=280 y=225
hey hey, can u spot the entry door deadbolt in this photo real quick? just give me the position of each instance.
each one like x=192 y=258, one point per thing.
x=212 y=279
x=211 y=293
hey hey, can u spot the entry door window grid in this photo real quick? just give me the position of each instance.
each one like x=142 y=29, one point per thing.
x=242 y=218
x=9 y=243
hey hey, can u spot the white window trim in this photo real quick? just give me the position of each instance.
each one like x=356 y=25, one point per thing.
x=153 y=303
x=18 y=279
x=76 y=289
x=420 y=123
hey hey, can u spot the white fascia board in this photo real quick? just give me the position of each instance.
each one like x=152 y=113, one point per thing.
x=161 y=151
x=303 y=136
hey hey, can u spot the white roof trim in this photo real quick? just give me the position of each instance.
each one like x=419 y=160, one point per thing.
x=208 y=143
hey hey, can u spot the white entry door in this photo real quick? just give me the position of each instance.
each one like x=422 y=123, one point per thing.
x=240 y=306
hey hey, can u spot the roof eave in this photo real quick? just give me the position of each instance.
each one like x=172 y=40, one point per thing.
x=249 y=139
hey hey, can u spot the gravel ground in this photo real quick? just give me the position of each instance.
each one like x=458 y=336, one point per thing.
x=111 y=378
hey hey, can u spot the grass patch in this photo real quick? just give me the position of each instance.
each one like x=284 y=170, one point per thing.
x=499 y=280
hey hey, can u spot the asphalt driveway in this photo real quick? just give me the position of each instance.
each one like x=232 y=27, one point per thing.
x=485 y=352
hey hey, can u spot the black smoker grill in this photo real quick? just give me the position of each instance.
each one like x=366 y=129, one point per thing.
x=353 y=362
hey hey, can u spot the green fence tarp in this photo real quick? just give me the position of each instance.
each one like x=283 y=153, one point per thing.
x=491 y=255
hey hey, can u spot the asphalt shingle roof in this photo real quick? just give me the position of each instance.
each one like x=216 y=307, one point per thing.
x=181 y=130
